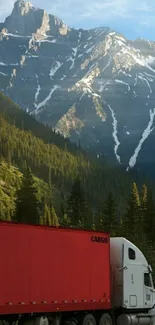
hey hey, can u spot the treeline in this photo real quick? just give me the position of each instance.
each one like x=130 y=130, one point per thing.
x=60 y=167
x=33 y=203
x=63 y=186
x=137 y=224
x=27 y=199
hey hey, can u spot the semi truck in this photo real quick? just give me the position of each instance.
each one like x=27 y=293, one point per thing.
x=54 y=276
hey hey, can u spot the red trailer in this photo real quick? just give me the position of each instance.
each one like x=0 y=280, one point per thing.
x=46 y=270
x=52 y=276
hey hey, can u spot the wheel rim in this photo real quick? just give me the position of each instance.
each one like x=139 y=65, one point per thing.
x=90 y=322
x=106 y=322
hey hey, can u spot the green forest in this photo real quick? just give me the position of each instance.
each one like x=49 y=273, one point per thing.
x=47 y=180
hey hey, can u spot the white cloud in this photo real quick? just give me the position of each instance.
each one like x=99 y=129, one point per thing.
x=101 y=9
x=96 y=9
x=146 y=8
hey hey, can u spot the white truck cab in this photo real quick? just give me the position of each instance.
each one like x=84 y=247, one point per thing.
x=132 y=285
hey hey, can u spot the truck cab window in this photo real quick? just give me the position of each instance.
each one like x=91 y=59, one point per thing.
x=147 y=280
x=131 y=254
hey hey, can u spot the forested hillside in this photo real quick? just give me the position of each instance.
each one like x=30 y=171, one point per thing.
x=23 y=141
x=45 y=179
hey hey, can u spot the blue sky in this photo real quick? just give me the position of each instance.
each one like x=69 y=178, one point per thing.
x=133 y=18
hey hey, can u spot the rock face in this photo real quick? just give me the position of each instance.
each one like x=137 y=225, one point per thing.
x=91 y=85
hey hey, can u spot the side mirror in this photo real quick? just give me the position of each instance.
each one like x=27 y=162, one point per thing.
x=150 y=268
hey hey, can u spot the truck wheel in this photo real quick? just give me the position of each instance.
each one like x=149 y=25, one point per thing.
x=71 y=321
x=89 y=319
x=105 y=320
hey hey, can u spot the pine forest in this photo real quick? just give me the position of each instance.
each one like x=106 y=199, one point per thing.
x=47 y=180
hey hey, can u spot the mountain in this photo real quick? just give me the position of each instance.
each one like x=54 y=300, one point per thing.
x=93 y=86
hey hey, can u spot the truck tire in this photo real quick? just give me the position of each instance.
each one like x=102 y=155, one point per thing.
x=105 y=320
x=89 y=319
x=71 y=321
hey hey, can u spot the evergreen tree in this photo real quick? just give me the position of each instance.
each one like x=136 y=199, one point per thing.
x=65 y=222
x=62 y=213
x=47 y=216
x=149 y=219
x=8 y=216
x=53 y=218
x=88 y=218
x=132 y=216
x=108 y=219
x=99 y=218
x=26 y=201
x=143 y=208
x=144 y=197
x=76 y=209
x=41 y=220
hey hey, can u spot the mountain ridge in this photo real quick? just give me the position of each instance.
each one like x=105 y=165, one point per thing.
x=93 y=86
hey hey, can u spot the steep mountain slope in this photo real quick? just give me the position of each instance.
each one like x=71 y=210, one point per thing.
x=90 y=85
x=59 y=164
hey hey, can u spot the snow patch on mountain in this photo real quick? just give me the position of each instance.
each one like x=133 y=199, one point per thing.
x=72 y=59
x=115 y=133
x=3 y=74
x=38 y=89
x=53 y=70
x=145 y=135
x=122 y=82
x=8 y=64
x=141 y=76
x=45 y=101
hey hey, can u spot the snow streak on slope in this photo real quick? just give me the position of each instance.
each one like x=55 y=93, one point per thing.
x=145 y=135
x=55 y=69
x=122 y=82
x=149 y=76
x=44 y=102
x=8 y=64
x=3 y=74
x=16 y=35
x=142 y=62
x=72 y=59
x=125 y=73
x=46 y=41
x=139 y=60
x=80 y=34
x=107 y=65
x=117 y=143
x=140 y=76
x=38 y=89
x=134 y=93
x=103 y=85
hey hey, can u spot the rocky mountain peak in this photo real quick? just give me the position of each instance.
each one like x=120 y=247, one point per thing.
x=26 y=20
x=22 y=7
